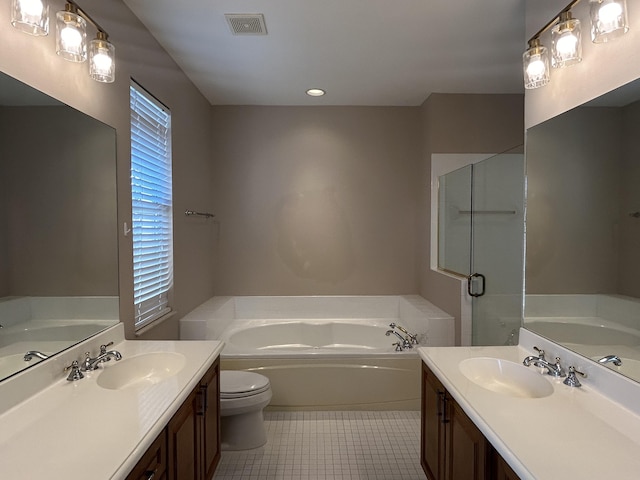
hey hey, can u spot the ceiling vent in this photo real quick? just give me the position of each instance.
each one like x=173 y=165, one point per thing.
x=246 y=23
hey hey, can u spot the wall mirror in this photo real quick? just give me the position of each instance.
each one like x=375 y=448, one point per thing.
x=583 y=230
x=58 y=226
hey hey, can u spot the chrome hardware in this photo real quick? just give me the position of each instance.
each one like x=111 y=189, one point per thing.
x=398 y=346
x=571 y=379
x=553 y=369
x=34 y=353
x=75 y=373
x=405 y=341
x=412 y=336
x=89 y=363
x=616 y=360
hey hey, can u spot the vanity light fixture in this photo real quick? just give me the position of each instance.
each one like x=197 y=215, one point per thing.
x=32 y=16
x=608 y=21
x=566 y=41
x=315 y=92
x=535 y=63
x=71 y=34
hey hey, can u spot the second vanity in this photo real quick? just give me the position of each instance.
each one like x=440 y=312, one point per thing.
x=117 y=419
x=531 y=428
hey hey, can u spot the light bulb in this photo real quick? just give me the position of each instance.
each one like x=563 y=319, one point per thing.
x=566 y=40
x=71 y=35
x=535 y=67
x=608 y=19
x=535 y=62
x=71 y=38
x=30 y=16
x=102 y=56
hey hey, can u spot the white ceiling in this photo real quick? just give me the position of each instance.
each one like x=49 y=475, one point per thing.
x=362 y=52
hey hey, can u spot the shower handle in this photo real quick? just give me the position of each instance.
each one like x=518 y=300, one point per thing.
x=470 y=281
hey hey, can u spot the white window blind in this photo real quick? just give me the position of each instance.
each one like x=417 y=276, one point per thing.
x=151 y=201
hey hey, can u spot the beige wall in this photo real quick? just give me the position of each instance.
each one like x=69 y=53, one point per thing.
x=316 y=200
x=33 y=61
x=456 y=123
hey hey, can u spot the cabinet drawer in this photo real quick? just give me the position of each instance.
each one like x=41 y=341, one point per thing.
x=153 y=464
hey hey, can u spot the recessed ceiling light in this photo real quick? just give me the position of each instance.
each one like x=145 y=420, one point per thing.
x=315 y=92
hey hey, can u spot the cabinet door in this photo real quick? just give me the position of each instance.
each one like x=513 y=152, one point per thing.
x=210 y=386
x=503 y=470
x=183 y=430
x=153 y=464
x=467 y=449
x=432 y=427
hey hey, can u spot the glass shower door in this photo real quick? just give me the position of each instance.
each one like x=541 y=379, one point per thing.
x=481 y=237
x=497 y=248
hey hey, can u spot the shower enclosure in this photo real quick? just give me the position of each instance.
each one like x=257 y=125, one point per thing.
x=481 y=237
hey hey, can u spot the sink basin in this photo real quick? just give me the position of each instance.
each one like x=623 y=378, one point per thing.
x=505 y=377
x=141 y=370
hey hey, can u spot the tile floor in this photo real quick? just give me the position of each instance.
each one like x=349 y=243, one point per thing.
x=354 y=445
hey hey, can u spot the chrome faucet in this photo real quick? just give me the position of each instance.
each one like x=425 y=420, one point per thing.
x=616 y=360
x=553 y=369
x=89 y=363
x=34 y=353
x=405 y=343
x=412 y=336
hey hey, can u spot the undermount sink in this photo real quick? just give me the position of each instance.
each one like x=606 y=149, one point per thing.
x=141 y=370
x=505 y=377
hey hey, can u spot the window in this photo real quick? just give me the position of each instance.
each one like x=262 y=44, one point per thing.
x=151 y=202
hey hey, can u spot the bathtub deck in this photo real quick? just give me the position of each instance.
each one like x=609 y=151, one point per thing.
x=349 y=445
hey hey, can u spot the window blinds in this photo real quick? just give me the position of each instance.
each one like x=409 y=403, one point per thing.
x=151 y=201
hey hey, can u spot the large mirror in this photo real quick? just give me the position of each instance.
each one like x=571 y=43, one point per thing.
x=583 y=230
x=58 y=226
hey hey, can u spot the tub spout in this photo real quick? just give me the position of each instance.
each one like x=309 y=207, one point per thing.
x=404 y=341
x=411 y=336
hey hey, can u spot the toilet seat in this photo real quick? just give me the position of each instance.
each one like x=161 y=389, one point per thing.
x=240 y=384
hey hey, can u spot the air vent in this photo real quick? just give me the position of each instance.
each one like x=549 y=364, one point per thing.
x=246 y=24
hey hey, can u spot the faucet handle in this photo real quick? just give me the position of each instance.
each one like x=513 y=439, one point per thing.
x=75 y=373
x=540 y=352
x=103 y=348
x=571 y=379
x=398 y=346
x=559 y=371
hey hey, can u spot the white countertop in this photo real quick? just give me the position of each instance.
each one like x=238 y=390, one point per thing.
x=574 y=433
x=79 y=430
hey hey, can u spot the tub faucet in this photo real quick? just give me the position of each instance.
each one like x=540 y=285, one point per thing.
x=404 y=342
x=412 y=336
x=34 y=353
x=616 y=360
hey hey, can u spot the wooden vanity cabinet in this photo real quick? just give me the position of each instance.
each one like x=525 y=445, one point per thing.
x=190 y=443
x=451 y=446
x=153 y=464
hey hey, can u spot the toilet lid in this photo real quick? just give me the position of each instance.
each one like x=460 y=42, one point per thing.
x=235 y=383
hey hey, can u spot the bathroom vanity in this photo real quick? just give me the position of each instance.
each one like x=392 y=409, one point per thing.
x=486 y=416
x=153 y=414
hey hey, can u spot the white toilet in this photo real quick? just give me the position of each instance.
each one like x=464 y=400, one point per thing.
x=243 y=396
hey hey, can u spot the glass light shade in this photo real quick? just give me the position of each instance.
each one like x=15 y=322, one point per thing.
x=608 y=19
x=535 y=64
x=102 y=59
x=566 y=40
x=71 y=36
x=30 y=16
